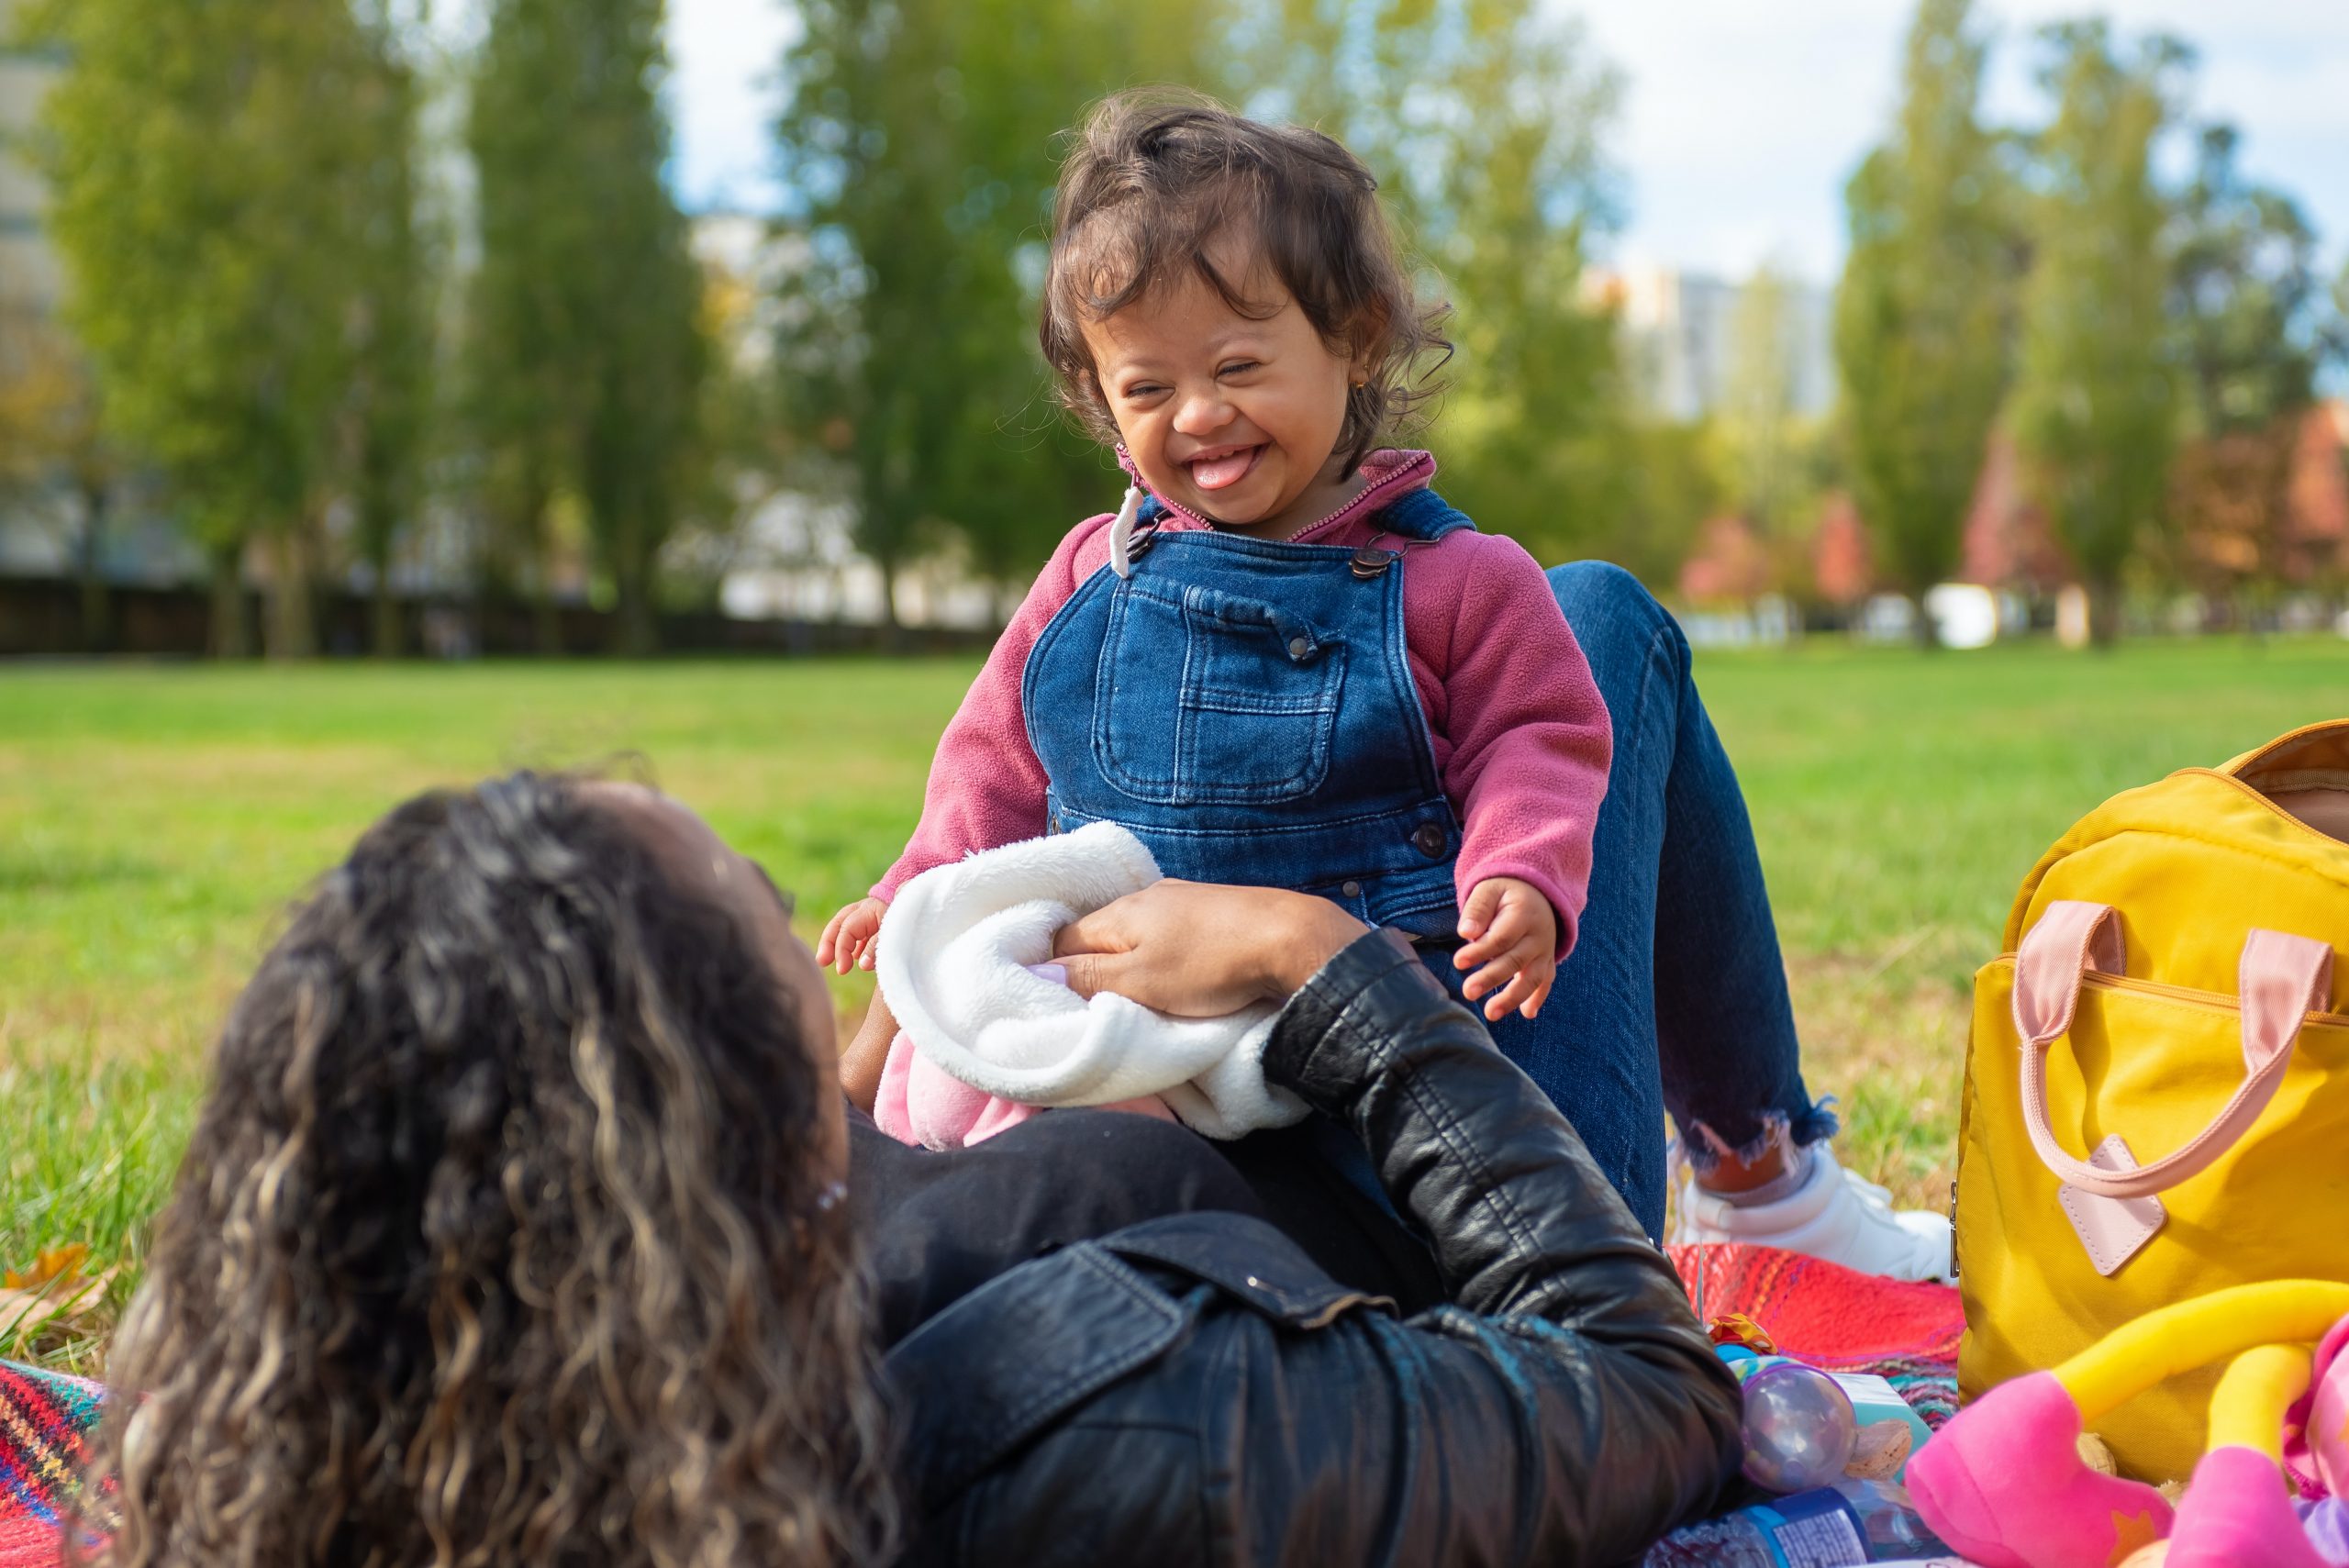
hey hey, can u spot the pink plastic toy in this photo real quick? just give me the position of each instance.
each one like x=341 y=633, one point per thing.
x=2004 y=1486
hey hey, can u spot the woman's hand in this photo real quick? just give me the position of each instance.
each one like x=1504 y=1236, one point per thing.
x=1509 y=928
x=1200 y=950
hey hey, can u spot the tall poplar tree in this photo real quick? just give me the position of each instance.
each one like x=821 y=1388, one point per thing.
x=2096 y=403
x=1924 y=321
x=2252 y=322
x=394 y=278
x=203 y=161
x=584 y=330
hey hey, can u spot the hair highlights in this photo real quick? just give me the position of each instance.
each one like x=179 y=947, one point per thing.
x=501 y=1237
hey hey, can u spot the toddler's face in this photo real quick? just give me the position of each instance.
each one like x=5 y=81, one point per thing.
x=1235 y=418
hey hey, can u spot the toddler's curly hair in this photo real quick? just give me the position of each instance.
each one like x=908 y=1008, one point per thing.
x=1153 y=177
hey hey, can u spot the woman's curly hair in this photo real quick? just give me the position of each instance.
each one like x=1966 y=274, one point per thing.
x=1155 y=175
x=503 y=1237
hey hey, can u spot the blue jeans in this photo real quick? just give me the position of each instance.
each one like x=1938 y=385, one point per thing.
x=1674 y=996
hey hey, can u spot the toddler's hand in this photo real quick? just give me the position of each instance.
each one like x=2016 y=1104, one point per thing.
x=847 y=941
x=1510 y=930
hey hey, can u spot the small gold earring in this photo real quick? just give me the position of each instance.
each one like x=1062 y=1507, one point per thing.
x=1362 y=380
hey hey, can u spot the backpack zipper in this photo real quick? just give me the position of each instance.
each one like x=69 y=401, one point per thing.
x=2214 y=1001
x=2232 y=781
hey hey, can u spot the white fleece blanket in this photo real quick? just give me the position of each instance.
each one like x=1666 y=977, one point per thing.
x=954 y=963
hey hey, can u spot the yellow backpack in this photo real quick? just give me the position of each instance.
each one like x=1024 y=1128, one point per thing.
x=2157 y=1085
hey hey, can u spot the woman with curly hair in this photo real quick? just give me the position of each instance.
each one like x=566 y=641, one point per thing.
x=509 y=1231
x=512 y=1232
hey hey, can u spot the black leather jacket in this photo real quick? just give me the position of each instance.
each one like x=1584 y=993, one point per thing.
x=1193 y=1390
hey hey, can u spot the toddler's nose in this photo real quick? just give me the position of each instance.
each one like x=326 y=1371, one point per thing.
x=1202 y=413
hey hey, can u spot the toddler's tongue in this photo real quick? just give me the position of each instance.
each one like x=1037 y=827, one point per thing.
x=1216 y=473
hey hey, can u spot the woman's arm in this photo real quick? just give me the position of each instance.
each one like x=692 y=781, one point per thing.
x=1581 y=1408
x=1565 y=1405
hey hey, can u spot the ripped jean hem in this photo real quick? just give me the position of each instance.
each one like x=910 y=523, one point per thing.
x=1705 y=1149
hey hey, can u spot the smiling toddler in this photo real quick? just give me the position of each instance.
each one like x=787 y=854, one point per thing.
x=1286 y=661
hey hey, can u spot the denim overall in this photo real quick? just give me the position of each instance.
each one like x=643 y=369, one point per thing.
x=1244 y=707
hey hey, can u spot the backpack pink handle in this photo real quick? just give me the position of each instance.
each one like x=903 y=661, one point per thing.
x=2282 y=979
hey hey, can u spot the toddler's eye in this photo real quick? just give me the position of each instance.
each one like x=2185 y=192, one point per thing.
x=1147 y=389
x=1236 y=367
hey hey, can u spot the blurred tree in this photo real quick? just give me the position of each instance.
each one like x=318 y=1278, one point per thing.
x=2252 y=319
x=1770 y=459
x=393 y=275
x=2096 y=402
x=586 y=353
x=52 y=438
x=1776 y=465
x=1924 y=319
x=202 y=160
x=750 y=457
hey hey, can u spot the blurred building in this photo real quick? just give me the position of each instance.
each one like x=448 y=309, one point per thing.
x=1678 y=331
x=28 y=273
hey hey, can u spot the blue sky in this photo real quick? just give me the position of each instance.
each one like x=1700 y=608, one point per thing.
x=1740 y=119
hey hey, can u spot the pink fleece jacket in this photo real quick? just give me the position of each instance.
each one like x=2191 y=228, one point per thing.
x=1520 y=733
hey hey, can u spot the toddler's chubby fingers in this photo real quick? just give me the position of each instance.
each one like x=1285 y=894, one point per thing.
x=1491 y=977
x=1542 y=981
x=1518 y=995
x=1476 y=915
x=847 y=940
x=1508 y=932
x=826 y=943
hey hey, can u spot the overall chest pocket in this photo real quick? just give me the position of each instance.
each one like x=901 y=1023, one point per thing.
x=1210 y=698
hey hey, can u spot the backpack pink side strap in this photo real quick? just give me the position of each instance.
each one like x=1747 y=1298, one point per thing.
x=2283 y=978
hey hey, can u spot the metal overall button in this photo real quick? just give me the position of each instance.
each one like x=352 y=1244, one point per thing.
x=1298 y=647
x=1351 y=890
x=1430 y=839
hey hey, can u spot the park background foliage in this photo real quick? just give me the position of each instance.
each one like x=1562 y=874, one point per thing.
x=344 y=295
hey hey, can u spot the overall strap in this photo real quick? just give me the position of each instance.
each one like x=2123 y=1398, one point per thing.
x=1423 y=515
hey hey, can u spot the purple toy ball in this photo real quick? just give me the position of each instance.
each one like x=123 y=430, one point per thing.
x=1799 y=1429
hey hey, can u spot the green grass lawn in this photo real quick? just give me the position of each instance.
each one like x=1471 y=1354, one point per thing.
x=154 y=823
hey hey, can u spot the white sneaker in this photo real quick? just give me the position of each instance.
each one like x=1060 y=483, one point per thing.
x=1834 y=1215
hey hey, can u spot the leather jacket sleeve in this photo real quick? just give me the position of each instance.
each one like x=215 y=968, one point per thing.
x=1549 y=1276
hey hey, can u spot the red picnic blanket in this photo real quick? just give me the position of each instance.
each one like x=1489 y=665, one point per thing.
x=1820 y=1312
x=1836 y=1317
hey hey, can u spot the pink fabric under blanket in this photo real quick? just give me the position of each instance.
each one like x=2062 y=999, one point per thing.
x=922 y=1105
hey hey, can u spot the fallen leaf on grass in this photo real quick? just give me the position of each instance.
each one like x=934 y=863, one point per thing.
x=53 y=1291
x=56 y=1263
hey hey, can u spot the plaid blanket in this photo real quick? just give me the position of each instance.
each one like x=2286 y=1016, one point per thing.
x=1820 y=1312
x=44 y=1417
